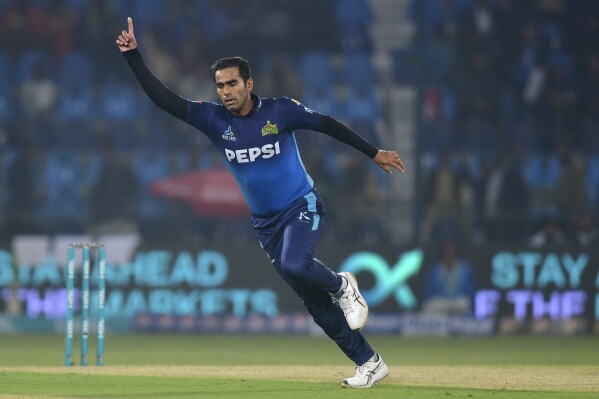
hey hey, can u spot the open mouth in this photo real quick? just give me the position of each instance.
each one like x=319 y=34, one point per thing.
x=229 y=101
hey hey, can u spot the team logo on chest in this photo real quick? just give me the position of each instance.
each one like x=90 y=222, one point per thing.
x=270 y=128
x=229 y=135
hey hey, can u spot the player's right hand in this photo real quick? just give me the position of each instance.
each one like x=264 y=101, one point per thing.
x=126 y=40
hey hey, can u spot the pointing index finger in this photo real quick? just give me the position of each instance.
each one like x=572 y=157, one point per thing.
x=130 y=22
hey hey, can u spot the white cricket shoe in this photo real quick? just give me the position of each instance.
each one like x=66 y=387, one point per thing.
x=352 y=303
x=367 y=374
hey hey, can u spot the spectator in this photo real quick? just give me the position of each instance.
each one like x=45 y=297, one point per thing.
x=362 y=199
x=441 y=192
x=587 y=232
x=450 y=284
x=194 y=81
x=39 y=95
x=571 y=187
x=62 y=22
x=529 y=74
x=113 y=198
x=475 y=27
x=280 y=78
x=550 y=234
x=23 y=27
x=64 y=192
x=558 y=116
x=478 y=103
x=509 y=17
x=589 y=103
x=24 y=200
x=514 y=200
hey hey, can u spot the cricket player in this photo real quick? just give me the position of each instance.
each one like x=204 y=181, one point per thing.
x=255 y=136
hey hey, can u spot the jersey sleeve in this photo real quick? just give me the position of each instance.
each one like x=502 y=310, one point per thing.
x=161 y=95
x=300 y=116
x=200 y=114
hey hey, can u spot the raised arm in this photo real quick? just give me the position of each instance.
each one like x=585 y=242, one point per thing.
x=161 y=95
x=386 y=160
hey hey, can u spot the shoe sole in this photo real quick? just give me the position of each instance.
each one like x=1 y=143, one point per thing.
x=351 y=279
x=384 y=373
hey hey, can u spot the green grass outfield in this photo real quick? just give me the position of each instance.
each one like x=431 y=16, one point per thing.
x=197 y=366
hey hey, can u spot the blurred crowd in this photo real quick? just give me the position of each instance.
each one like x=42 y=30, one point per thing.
x=510 y=114
x=510 y=118
x=81 y=145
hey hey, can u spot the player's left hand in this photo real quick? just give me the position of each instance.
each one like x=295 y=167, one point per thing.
x=389 y=160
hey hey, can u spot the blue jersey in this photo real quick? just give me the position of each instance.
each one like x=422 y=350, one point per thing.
x=260 y=148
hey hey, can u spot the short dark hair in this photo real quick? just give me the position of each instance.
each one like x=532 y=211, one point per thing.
x=242 y=64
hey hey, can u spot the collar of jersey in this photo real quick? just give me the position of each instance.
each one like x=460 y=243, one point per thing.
x=257 y=106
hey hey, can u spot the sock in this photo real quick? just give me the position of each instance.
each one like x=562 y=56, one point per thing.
x=342 y=288
x=374 y=358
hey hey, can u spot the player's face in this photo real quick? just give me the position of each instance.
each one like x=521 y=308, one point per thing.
x=234 y=95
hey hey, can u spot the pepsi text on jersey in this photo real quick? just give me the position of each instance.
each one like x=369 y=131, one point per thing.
x=246 y=155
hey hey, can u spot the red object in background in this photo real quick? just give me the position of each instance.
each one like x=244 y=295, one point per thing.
x=211 y=192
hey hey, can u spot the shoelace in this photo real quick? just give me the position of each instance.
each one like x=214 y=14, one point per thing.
x=362 y=370
x=346 y=304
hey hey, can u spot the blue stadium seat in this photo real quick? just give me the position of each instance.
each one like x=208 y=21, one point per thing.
x=181 y=161
x=39 y=3
x=76 y=102
x=448 y=102
x=436 y=14
x=432 y=17
x=216 y=24
x=5 y=69
x=404 y=66
x=78 y=5
x=63 y=180
x=473 y=164
x=150 y=165
x=316 y=70
x=355 y=38
x=76 y=135
x=440 y=55
x=352 y=12
x=438 y=135
x=92 y=166
x=541 y=171
x=123 y=9
x=323 y=100
x=117 y=101
x=358 y=70
x=7 y=157
x=367 y=129
x=29 y=60
x=362 y=104
x=76 y=69
x=592 y=179
x=532 y=170
x=6 y=88
x=150 y=12
x=480 y=135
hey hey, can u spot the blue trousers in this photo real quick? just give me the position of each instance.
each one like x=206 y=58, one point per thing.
x=289 y=239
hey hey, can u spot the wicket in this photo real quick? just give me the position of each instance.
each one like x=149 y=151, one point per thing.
x=85 y=296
